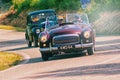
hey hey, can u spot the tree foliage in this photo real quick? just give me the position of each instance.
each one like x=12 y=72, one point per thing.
x=23 y=7
x=58 y=5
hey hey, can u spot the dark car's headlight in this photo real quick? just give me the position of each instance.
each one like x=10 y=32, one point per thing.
x=87 y=34
x=37 y=31
x=43 y=38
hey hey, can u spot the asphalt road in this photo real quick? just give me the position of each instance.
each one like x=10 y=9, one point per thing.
x=103 y=65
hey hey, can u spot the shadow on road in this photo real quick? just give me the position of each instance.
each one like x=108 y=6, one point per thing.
x=35 y=60
x=12 y=43
x=101 y=69
x=67 y=56
x=57 y=57
x=20 y=48
x=103 y=48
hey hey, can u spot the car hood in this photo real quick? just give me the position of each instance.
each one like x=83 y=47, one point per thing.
x=66 y=29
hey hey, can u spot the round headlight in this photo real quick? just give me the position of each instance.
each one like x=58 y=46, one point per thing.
x=37 y=31
x=87 y=34
x=43 y=38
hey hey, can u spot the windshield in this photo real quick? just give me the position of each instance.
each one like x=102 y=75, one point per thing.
x=50 y=24
x=77 y=18
x=41 y=17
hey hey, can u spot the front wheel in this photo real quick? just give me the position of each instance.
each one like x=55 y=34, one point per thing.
x=29 y=43
x=45 y=56
x=90 y=51
x=35 y=42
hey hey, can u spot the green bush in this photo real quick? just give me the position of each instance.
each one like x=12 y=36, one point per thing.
x=64 y=5
x=25 y=6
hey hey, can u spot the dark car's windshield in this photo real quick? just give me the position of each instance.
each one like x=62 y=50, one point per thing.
x=41 y=17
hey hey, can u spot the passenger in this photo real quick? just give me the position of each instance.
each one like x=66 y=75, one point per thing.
x=77 y=19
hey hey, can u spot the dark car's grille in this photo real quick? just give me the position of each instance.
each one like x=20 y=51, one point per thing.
x=65 y=39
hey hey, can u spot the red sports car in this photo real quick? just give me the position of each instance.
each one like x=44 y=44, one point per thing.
x=74 y=35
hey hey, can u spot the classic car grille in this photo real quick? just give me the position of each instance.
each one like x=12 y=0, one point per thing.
x=66 y=39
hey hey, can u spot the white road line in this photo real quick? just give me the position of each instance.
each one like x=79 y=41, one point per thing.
x=103 y=62
x=106 y=61
x=26 y=60
x=109 y=60
x=107 y=51
x=102 y=45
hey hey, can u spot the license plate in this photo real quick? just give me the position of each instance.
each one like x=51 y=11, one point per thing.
x=66 y=47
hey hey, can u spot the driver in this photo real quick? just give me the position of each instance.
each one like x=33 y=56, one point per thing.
x=35 y=18
x=60 y=20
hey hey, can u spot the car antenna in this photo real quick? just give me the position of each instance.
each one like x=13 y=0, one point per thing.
x=46 y=24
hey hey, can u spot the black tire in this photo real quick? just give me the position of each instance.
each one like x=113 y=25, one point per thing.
x=29 y=43
x=45 y=56
x=90 y=51
x=35 y=42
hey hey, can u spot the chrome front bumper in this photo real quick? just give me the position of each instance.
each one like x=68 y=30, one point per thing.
x=77 y=46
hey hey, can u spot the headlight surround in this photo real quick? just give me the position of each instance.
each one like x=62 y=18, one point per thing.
x=43 y=38
x=87 y=34
x=37 y=31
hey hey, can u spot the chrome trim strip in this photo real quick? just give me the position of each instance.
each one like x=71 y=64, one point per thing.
x=56 y=48
x=44 y=49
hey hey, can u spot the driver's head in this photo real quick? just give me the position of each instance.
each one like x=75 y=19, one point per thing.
x=34 y=18
x=60 y=19
x=78 y=18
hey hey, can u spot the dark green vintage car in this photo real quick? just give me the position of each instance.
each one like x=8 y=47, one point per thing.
x=36 y=24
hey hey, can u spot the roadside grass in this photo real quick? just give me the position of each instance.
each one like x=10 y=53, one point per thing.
x=9 y=59
x=6 y=27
